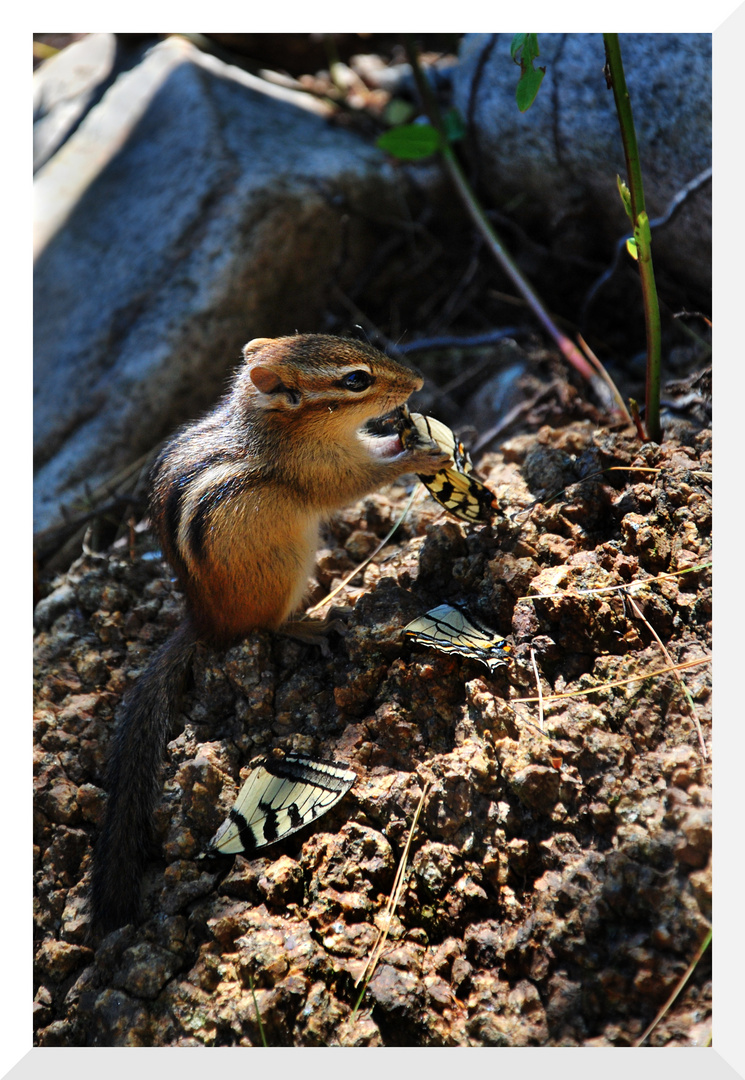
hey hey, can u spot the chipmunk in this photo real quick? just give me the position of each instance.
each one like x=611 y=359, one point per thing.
x=237 y=499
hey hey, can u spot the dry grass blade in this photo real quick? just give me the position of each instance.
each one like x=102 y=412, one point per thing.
x=398 y=884
x=614 y=391
x=538 y=687
x=640 y=615
x=625 y=587
x=691 y=968
x=616 y=682
x=366 y=561
x=631 y=468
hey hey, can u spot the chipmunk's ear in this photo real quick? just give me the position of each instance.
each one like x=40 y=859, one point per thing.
x=268 y=374
x=256 y=343
x=269 y=379
x=265 y=378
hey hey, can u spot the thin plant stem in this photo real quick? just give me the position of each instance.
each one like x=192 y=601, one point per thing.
x=691 y=968
x=366 y=561
x=393 y=899
x=550 y=698
x=538 y=687
x=642 y=232
x=258 y=1014
x=686 y=693
x=495 y=245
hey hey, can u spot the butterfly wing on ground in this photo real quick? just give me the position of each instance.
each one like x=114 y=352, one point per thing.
x=449 y=629
x=281 y=795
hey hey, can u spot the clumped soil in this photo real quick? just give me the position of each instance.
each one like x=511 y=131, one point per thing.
x=559 y=880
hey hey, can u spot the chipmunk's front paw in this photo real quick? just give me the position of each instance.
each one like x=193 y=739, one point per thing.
x=314 y=631
x=426 y=460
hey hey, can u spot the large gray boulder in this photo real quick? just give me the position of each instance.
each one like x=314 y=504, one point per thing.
x=556 y=164
x=193 y=208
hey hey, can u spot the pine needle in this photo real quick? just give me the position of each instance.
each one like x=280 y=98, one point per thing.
x=538 y=686
x=689 y=700
x=616 y=682
x=398 y=884
x=677 y=990
x=366 y=561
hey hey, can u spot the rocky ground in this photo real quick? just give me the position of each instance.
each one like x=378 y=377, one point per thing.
x=559 y=880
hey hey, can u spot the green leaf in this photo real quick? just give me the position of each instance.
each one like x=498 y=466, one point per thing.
x=625 y=194
x=524 y=51
x=455 y=128
x=632 y=248
x=527 y=44
x=518 y=41
x=410 y=141
x=531 y=50
x=398 y=111
x=528 y=87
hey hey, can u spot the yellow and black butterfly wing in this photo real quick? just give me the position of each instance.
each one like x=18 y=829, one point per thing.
x=456 y=489
x=418 y=429
x=463 y=496
x=450 y=630
x=281 y=795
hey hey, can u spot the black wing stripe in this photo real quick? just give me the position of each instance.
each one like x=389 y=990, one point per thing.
x=280 y=796
x=320 y=774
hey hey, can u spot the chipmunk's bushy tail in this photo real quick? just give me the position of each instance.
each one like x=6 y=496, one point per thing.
x=134 y=782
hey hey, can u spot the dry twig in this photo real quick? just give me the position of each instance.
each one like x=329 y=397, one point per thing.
x=640 y=615
x=691 y=968
x=393 y=899
x=617 y=682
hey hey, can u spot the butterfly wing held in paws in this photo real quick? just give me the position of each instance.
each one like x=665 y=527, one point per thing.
x=451 y=630
x=281 y=795
x=457 y=489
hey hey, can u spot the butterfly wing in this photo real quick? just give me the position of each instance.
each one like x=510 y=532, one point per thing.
x=457 y=489
x=280 y=796
x=451 y=630
x=462 y=495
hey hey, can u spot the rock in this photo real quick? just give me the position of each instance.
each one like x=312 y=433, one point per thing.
x=64 y=88
x=70 y=83
x=195 y=207
x=397 y=993
x=559 y=159
x=56 y=959
x=145 y=970
x=53 y=605
x=282 y=883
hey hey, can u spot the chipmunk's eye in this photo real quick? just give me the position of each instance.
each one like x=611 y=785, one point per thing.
x=357 y=381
